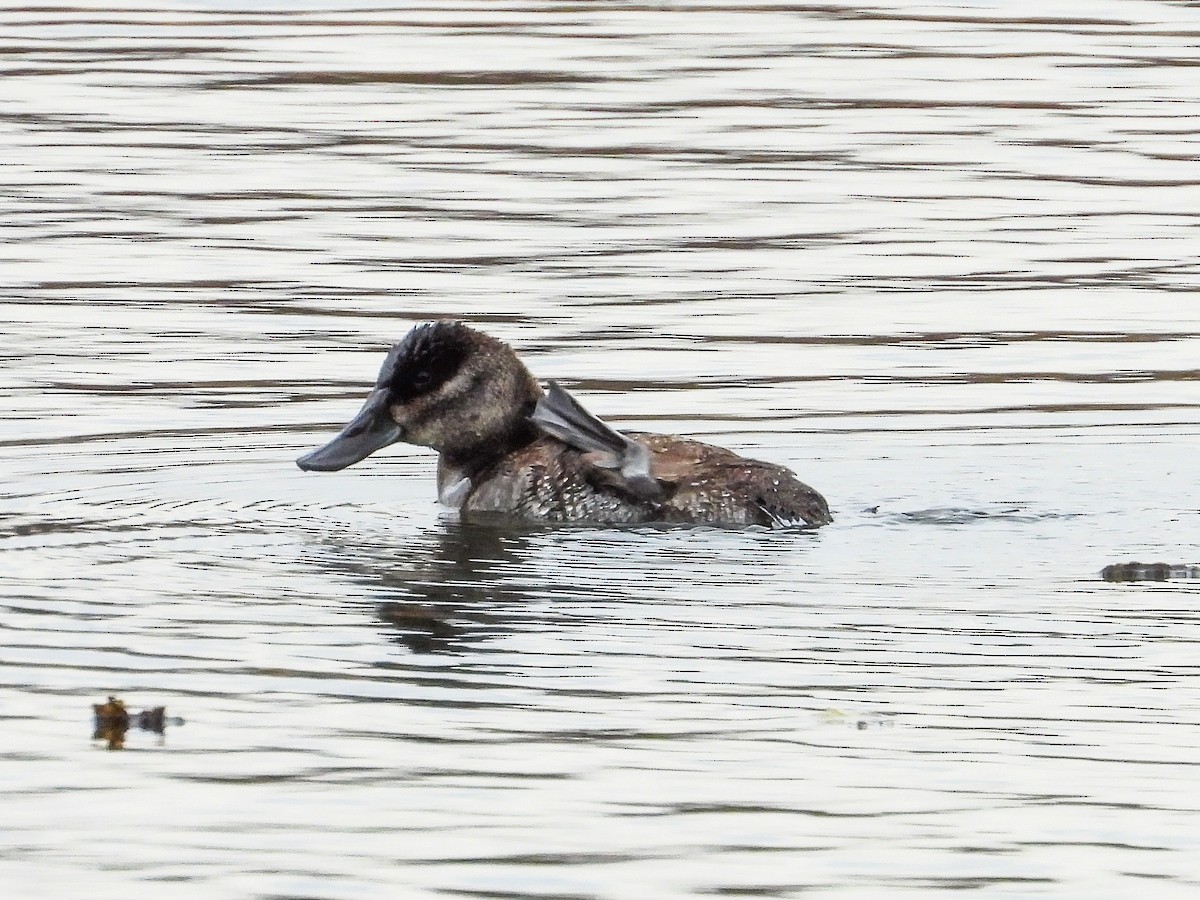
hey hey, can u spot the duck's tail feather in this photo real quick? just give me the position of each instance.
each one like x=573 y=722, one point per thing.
x=562 y=416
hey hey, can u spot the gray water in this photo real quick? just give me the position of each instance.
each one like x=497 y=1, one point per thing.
x=939 y=259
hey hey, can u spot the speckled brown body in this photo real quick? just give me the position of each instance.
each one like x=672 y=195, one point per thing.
x=550 y=482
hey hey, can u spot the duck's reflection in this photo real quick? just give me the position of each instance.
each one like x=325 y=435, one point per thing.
x=459 y=583
x=445 y=588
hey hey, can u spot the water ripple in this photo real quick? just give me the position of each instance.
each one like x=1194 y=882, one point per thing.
x=935 y=258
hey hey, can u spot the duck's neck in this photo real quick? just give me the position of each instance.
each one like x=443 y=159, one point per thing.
x=459 y=467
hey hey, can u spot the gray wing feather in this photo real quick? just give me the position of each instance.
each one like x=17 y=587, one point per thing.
x=562 y=416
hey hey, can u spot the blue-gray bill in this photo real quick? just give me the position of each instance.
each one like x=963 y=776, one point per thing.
x=372 y=429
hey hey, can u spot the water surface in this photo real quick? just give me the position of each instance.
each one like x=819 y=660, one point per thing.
x=937 y=258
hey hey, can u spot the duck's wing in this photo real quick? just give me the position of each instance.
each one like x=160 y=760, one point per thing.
x=562 y=416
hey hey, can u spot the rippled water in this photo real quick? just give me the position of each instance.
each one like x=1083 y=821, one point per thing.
x=940 y=259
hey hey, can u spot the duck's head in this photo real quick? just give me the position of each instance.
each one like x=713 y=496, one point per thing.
x=444 y=386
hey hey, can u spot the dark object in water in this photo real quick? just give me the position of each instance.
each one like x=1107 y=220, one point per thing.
x=1136 y=571
x=112 y=719
x=112 y=714
x=420 y=628
x=416 y=617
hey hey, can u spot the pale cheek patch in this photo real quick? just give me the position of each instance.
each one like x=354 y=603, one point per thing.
x=473 y=405
x=414 y=419
x=458 y=408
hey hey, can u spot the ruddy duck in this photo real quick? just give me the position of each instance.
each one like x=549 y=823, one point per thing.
x=507 y=449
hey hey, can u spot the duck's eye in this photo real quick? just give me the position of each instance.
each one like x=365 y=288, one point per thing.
x=422 y=379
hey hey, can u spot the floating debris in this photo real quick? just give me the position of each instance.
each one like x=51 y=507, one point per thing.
x=1136 y=571
x=112 y=719
x=112 y=714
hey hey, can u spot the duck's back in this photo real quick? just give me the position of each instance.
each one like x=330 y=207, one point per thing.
x=548 y=481
x=717 y=486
